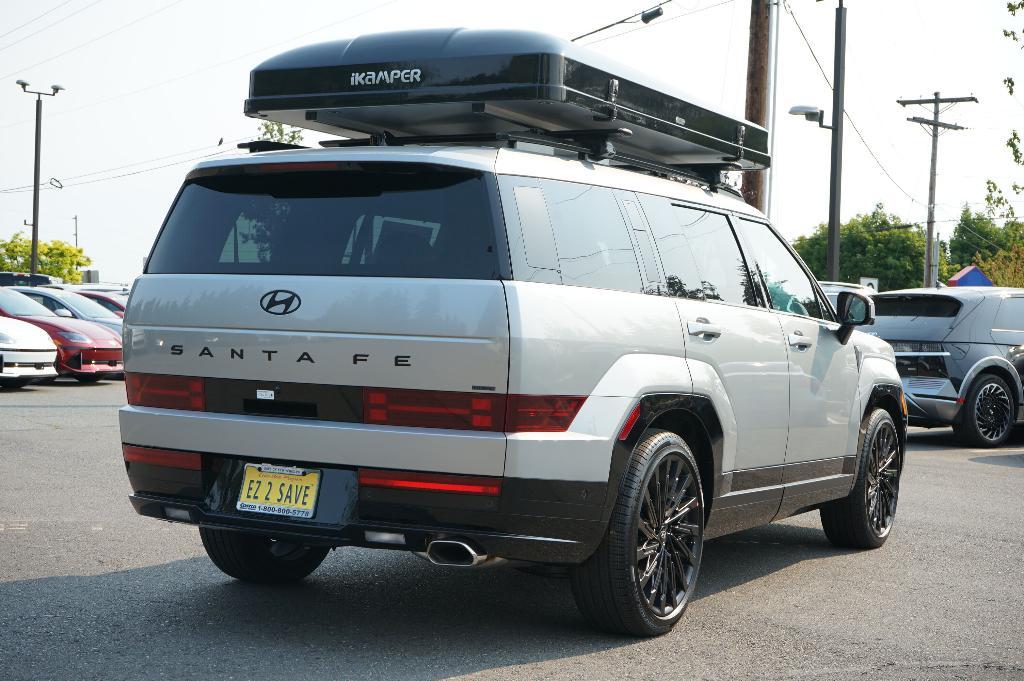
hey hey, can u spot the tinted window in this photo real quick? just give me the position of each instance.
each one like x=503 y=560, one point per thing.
x=593 y=243
x=109 y=304
x=538 y=240
x=682 y=278
x=1011 y=315
x=20 y=305
x=916 y=306
x=86 y=306
x=413 y=221
x=789 y=287
x=723 y=272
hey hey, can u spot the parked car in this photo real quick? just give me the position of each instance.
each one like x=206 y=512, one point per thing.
x=88 y=352
x=960 y=354
x=68 y=304
x=26 y=279
x=482 y=353
x=115 y=302
x=832 y=290
x=26 y=353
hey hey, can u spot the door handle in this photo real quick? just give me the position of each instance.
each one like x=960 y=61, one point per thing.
x=799 y=341
x=703 y=329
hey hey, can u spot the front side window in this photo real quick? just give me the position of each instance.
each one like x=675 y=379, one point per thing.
x=789 y=287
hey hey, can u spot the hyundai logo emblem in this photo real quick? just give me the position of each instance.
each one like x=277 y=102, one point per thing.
x=280 y=302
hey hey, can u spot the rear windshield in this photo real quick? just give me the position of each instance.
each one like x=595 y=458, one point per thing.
x=369 y=220
x=916 y=306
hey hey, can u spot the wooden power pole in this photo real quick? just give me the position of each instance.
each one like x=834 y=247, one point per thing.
x=757 y=91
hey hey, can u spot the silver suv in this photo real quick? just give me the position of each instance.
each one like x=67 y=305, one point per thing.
x=484 y=354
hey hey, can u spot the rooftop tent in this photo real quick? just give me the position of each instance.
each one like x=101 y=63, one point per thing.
x=443 y=82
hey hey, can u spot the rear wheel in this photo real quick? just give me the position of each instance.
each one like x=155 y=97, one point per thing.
x=863 y=519
x=14 y=382
x=988 y=413
x=254 y=558
x=641 y=578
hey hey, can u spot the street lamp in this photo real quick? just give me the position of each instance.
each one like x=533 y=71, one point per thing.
x=54 y=89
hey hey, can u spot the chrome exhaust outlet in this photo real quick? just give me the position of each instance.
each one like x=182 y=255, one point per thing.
x=457 y=553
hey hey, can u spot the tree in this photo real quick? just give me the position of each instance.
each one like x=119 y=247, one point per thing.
x=997 y=203
x=56 y=258
x=1005 y=268
x=876 y=244
x=276 y=132
x=978 y=235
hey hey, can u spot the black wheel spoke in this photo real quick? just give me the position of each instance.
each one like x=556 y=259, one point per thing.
x=882 y=479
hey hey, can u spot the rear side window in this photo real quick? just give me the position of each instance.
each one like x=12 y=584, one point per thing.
x=1010 y=316
x=682 y=278
x=593 y=244
x=368 y=220
x=916 y=306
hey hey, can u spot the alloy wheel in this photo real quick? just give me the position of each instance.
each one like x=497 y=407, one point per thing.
x=669 y=537
x=883 y=477
x=992 y=411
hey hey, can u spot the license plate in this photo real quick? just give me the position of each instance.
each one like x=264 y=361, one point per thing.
x=280 y=490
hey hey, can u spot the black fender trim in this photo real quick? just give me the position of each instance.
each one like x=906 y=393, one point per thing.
x=888 y=396
x=660 y=408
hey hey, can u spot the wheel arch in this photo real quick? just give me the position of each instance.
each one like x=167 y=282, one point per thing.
x=887 y=396
x=691 y=417
x=999 y=367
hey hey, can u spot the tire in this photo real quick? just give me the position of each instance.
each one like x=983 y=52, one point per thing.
x=864 y=518
x=87 y=378
x=987 y=414
x=610 y=587
x=255 y=558
x=14 y=383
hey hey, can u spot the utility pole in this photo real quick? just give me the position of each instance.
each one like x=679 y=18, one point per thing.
x=931 y=260
x=757 y=91
x=838 y=116
x=76 y=231
x=35 y=183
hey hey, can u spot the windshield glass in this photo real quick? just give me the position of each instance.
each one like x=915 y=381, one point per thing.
x=89 y=308
x=18 y=305
x=916 y=306
x=369 y=220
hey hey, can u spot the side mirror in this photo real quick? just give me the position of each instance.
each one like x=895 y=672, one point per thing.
x=854 y=310
x=63 y=312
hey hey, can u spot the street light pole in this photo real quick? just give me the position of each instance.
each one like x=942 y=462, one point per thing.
x=836 y=175
x=35 y=175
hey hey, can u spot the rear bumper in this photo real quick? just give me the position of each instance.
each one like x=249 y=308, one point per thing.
x=930 y=410
x=543 y=521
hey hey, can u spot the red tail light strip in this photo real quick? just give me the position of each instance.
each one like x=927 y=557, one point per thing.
x=163 y=457
x=166 y=392
x=430 y=482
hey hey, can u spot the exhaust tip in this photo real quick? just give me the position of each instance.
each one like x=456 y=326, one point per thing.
x=454 y=553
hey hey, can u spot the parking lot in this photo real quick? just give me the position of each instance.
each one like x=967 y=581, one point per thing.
x=90 y=590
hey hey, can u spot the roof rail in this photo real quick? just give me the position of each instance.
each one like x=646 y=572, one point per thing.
x=591 y=145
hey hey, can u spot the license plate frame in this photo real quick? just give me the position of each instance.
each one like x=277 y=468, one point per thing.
x=276 y=500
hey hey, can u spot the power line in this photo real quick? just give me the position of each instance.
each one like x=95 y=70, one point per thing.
x=662 y=22
x=846 y=113
x=90 y=42
x=51 y=25
x=204 y=69
x=37 y=18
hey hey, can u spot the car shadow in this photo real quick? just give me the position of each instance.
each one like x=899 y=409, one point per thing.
x=944 y=438
x=363 y=614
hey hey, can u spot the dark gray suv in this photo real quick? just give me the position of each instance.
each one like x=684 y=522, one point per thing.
x=960 y=354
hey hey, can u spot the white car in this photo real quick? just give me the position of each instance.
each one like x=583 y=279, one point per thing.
x=26 y=353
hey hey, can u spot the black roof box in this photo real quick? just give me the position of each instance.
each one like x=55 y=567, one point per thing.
x=444 y=82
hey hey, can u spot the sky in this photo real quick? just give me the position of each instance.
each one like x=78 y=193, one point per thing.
x=151 y=87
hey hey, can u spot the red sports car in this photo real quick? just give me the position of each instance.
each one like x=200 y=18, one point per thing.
x=115 y=302
x=87 y=351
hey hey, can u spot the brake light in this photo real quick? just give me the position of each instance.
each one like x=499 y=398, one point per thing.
x=162 y=457
x=433 y=409
x=541 y=413
x=165 y=392
x=430 y=482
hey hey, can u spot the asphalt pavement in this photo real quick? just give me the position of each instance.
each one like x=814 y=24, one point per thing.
x=89 y=590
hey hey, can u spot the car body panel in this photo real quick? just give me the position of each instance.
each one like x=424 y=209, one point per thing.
x=26 y=351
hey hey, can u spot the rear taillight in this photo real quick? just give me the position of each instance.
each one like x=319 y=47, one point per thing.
x=165 y=392
x=169 y=458
x=430 y=482
x=433 y=409
x=469 y=411
x=541 y=413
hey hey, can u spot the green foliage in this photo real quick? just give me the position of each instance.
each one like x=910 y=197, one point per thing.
x=56 y=258
x=978 y=236
x=276 y=132
x=997 y=203
x=875 y=244
x=1005 y=268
